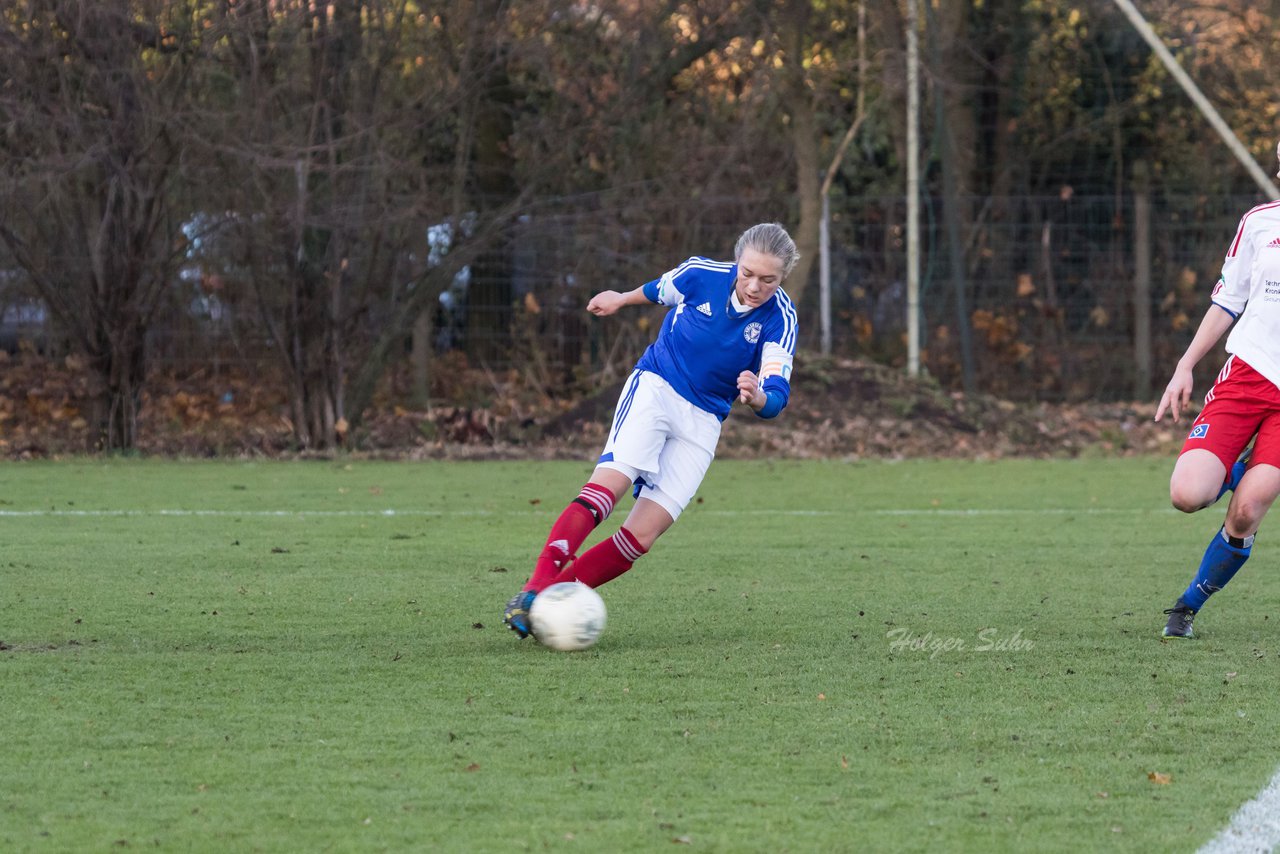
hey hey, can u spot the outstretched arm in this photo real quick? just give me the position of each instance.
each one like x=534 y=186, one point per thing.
x=607 y=302
x=1178 y=393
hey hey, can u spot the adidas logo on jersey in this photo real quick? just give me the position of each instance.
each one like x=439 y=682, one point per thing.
x=705 y=308
x=1274 y=243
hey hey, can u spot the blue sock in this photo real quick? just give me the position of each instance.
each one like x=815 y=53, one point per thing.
x=1233 y=477
x=1221 y=561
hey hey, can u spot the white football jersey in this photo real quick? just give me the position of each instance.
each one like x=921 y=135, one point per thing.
x=1251 y=278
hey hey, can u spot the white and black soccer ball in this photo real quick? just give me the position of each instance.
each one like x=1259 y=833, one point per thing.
x=567 y=616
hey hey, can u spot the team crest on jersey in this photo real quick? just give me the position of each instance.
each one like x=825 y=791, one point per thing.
x=1199 y=431
x=752 y=333
x=705 y=308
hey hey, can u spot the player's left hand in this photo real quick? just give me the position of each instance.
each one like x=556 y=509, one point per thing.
x=749 y=390
x=606 y=303
x=1177 y=396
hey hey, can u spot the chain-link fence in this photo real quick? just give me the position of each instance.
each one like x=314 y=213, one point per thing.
x=1048 y=288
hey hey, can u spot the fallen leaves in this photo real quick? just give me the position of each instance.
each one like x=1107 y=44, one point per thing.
x=841 y=407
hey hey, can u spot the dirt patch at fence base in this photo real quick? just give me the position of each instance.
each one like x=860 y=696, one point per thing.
x=844 y=408
x=840 y=408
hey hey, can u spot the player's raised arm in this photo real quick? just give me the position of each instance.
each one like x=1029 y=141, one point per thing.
x=608 y=302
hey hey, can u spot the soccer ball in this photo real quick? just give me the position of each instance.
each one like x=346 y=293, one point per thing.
x=567 y=616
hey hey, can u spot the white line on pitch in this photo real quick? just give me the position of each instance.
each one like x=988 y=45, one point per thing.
x=1254 y=827
x=1024 y=511
x=238 y=513
x=853 y=511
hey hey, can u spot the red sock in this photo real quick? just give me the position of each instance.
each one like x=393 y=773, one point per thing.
x=604 y=561
x=592 y=506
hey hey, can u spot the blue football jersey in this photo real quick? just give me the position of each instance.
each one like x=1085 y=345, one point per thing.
x=704 y=342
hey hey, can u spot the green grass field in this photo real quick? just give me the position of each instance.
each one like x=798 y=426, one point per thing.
x=939 y=656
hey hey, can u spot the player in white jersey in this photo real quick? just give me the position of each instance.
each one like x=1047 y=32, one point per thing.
x=730 y=336
x=1244 y=401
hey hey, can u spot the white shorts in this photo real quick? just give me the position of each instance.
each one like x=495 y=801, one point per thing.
x=661 y=441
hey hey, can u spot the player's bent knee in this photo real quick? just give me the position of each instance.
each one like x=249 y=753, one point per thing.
x=1244 y=517
x=1190 y=499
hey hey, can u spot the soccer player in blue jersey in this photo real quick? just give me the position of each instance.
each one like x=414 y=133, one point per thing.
x=730 y=336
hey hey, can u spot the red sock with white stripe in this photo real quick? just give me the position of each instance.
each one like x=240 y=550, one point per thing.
x=592 y=506
x=604 y=561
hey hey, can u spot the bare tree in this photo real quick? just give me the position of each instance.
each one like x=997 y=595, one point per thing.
x=91 y=151
x=336 y=145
